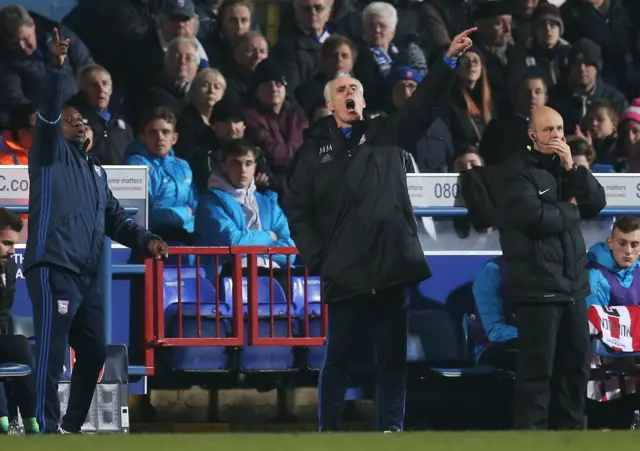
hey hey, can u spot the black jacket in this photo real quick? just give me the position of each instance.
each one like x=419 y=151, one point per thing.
x=111 y=137
x=348 y=207
x=540 y=231
x=8 y=272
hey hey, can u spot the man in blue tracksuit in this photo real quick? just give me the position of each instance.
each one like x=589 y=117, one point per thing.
x=71 y=209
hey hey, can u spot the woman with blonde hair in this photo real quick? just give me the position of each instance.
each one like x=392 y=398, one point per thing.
x=193 y=126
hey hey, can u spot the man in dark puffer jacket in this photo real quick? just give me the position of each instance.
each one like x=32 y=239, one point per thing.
x=543 y=197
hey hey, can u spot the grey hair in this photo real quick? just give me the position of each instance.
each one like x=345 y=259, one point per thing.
x=328 y=3
x=172 y=48
x=87 y=70
x=381 y=9
x=327 y=87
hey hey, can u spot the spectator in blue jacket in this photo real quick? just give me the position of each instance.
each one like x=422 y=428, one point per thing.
x=614 y=265
x=493 y=329
x=25 y=59
x=233 y=213
x=172 y=198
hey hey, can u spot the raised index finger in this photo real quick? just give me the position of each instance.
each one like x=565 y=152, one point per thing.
x=467 y=32
x=56 y=35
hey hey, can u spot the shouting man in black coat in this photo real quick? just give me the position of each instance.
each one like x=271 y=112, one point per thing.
x=543 y=198
x=351 y=218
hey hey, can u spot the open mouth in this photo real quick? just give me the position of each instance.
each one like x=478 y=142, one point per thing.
x=350 y=104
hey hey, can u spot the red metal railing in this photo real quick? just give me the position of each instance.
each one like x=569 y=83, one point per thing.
x=297 y=319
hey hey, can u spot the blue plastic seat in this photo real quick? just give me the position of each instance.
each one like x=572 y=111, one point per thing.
x=195 y=358
x=13 y=370
x=442 y=347
x=189 y=286
x=599 y=349
x=600 y=168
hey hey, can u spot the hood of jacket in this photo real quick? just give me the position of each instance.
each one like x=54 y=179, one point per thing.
x=600 y=255
x=136 y=147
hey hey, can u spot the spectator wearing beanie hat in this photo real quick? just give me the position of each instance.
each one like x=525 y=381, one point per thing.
x=274 y=123
x=227 y=122
x=572 y=97
x=628 y=135
x=607 y=23
x=546 y=50
x=434 y=151
x=523 y=11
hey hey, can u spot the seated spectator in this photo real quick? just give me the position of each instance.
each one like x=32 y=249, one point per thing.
x=503 y=61
x=14 y=348
x=443 y=20
x=89 y=136
x=252 y=48
x=193 y=126
x=471 y=106
x=546 y=49
x=583 y=86
x=467 y=160
x=628 y=137
x=233 y=213
x=378 y=53
x=614 y=265
x=177 y=18
x=338 y=54
x=17 y=140
x=24 y=59
x=226 y=123
x=300 y=52
x=181 y=63
x=599 y=129
x=111 y=131
x=434 y=151
x=607 y=24
x=523 y=20
x=614 y=272
x=493 y=331
x=236 y=18
x=273 y=123
x=172 y=198
x=508 y=134
x=581 y=151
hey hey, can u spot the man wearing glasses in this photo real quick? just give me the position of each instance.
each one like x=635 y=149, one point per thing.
x=71 y=211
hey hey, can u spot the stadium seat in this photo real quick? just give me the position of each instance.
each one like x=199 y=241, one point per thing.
x=23 y=325
x=315 y=354
x=600 y=168
x=13 y=370
x=199 y=358
x=189 y=286
x=442 y=345
x=195 y=358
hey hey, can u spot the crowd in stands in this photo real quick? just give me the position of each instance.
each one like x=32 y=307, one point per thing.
x=193 y=90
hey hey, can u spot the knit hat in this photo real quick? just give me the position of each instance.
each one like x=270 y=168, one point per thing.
x=632 y=113
x=401 y=73
x=587 y=51
x=487 y=10
x=413 y=56
x=228 y=109
x=179 y=8
x=546 y=12
x=268 y=70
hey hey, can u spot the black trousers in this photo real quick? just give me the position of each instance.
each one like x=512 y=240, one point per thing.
x=552 y=371
x=385 y=316
x=67 y=311
x=16 y=349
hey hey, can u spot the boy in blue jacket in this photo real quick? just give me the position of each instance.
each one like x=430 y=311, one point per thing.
x=493 y=330
x=172 y=196
x=71 y=210
x=233 y=213
x=614 y=269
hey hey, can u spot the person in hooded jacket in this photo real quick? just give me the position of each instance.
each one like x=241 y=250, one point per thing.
x=614 y=275
x=351 y=218
x=172 y=196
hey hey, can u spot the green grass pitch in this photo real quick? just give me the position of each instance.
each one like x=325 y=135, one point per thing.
x=409 y=441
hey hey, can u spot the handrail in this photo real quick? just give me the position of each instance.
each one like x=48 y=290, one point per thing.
x=462 y=211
